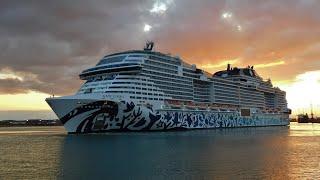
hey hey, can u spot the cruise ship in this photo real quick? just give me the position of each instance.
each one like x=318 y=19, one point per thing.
x=145 y=90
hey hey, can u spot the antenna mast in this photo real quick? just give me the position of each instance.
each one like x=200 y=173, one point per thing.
x=311 y=112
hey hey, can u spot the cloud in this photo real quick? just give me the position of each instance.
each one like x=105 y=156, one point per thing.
x=160 y=6
x=55 y=40
x=221 y=64
x=12 y=86
x=271 y=64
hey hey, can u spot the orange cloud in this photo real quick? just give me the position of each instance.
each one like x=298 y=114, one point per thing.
x=219 y=65
x=277 y=63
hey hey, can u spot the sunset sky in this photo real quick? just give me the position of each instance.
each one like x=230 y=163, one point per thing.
x=44 y=44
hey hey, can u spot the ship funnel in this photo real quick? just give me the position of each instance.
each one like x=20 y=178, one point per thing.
x=149 y=46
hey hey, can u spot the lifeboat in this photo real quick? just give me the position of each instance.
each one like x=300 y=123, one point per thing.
x=190 y=105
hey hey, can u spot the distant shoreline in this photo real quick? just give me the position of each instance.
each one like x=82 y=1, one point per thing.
x=30 y=122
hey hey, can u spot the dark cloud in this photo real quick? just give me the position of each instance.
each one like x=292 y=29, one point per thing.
x=12 y=86
x=16 y=86
x=55 y=40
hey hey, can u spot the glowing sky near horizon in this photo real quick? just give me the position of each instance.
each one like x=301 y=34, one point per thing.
x=303 y=92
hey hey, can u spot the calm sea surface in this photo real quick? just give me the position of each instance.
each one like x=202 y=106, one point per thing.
x=239 y=153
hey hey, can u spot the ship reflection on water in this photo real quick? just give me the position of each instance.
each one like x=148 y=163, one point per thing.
x=194 y=154
x=264 y=152
x=267 y=152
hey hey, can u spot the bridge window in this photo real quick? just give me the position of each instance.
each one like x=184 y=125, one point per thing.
x=111 y=60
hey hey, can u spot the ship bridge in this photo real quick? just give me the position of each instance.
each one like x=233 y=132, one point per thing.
x=114 y=64
x=248 y=72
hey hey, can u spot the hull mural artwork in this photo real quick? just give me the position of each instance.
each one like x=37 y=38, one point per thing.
x=101 y=116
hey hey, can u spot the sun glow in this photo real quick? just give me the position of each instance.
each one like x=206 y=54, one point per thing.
x=303 y=92
x=239 y=28
x=226 y=15
x=147 y=28
x=233 y=21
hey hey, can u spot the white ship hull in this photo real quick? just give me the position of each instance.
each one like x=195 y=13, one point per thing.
x=94 y=115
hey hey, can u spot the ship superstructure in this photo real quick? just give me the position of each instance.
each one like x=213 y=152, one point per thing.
x=147 y=90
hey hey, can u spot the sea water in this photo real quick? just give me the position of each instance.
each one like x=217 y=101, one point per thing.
x=289 y=152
